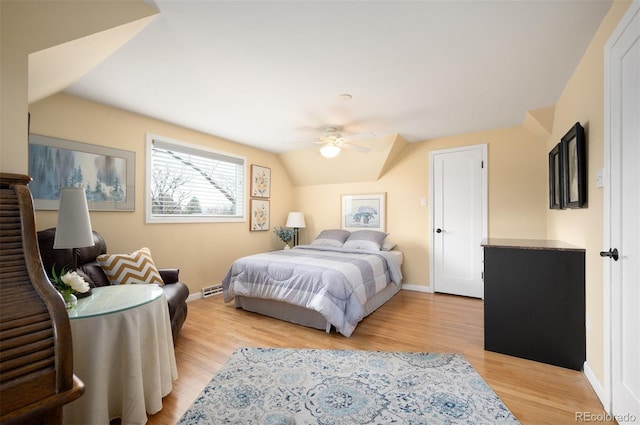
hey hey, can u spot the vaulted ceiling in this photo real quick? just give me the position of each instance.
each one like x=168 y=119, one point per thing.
x=265 y=73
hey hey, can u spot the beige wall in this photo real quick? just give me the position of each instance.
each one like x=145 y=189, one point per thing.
x=517 y=167
x=202 y=251
x=31 y=26
x=517 y=194
x=583 y=101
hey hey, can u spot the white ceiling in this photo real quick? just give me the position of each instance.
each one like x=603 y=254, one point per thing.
x=261 y=72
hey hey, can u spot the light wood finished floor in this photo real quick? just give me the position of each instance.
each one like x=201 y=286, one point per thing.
x=412 y=321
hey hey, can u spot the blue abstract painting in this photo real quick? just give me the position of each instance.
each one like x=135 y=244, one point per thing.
x=53 y=167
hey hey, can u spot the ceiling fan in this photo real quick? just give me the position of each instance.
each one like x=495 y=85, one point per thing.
x=333 y=142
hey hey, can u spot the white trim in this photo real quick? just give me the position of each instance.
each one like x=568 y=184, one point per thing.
x=193 y=297
x=417 y=288
x=597 y=387
x=606 y=394
x=485 y=204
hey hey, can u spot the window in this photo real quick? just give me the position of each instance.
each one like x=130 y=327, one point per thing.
x=190 y=183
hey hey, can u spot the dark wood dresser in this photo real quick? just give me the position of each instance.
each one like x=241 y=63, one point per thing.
x=534 y=300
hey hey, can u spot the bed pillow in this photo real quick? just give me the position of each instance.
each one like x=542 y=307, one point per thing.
x=387 y=245
x=332 y=237
x=137 y=267
x=370 y=240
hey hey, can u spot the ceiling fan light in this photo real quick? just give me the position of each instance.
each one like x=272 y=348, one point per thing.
x=329 y=151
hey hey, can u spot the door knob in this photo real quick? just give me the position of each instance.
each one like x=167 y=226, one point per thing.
x=438 y=230
x=612 y=253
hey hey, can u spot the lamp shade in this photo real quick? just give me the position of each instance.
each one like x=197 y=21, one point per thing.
x=295 y=220
x=74 y=225
x=330 y=151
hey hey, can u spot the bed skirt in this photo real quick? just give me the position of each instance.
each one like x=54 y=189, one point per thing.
x=303 y=316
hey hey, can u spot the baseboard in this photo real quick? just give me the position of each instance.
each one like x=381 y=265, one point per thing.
x=208 y=291
x=597 y=387
x=193 y=297
x=417 y=288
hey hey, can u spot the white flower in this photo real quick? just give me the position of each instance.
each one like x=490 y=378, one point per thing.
x=76 y=282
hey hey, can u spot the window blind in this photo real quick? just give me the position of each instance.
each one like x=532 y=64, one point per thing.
x=187 y=181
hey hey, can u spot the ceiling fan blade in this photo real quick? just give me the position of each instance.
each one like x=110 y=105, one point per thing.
x=311 y=129
x=362 y=149
x=320 y=129
x=358 y=136
x=303 y=142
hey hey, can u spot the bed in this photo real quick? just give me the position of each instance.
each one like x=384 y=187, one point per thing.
x=337 y=280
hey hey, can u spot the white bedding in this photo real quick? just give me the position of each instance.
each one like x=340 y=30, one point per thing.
x=335 y=282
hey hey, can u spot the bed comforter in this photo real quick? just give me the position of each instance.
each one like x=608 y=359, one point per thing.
x=335 y=282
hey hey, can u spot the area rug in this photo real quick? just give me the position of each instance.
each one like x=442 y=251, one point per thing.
x=332 y=387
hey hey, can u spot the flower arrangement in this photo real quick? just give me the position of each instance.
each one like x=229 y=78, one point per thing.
x=284 y=234
x=68 y=283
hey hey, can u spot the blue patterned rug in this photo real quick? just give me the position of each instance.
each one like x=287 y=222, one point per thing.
x=326 y=387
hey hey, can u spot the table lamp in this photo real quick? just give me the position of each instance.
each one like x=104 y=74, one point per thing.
x=295 y=220
x=74 y=225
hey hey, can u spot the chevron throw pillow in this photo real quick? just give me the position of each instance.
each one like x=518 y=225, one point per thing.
x=136 y=267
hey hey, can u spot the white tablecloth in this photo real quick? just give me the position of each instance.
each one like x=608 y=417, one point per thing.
x=126 y=361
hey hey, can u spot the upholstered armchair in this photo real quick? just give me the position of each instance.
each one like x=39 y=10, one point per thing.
x=175 y=291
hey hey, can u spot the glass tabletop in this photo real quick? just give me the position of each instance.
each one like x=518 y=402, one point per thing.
x=112 y=299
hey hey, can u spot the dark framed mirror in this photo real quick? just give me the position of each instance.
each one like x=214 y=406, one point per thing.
x=574 y=170
x=555 y=178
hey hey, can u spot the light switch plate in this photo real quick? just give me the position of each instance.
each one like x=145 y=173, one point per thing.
x=600 y=178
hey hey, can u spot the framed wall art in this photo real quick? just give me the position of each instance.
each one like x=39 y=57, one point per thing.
x=259 y=218
x=574 y=160
x=555 y=178
x=364 y=212
x=106 y=174
x=260 y=181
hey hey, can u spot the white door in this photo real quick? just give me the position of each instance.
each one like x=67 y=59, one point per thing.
x=458 y=219
x=622 y=213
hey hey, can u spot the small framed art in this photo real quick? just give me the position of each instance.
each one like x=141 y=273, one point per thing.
x=259 y=219
x=364 y=212
x=260 y=181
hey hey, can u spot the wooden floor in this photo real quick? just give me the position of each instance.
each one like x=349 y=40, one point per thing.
x=412 y=321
